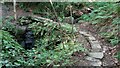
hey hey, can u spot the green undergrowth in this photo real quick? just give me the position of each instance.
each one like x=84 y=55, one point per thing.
x=105 y=16
x=54 y=44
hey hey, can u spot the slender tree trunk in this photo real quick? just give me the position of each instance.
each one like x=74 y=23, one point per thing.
x=14 y=5
x=71 y=16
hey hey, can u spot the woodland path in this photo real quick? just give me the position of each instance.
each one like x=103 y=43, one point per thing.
x=99 y=54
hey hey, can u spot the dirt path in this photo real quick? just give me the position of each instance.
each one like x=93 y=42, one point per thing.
x=98 y=54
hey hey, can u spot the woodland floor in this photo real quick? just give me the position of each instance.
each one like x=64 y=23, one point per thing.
x=80 y=58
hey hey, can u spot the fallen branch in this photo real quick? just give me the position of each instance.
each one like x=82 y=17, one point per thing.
x=44 y=19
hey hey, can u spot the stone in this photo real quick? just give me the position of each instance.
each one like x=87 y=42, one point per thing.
x=94 y=42
x=85 y=33
x=94 y=61
x=91 y=38
x=91 y=59
x=98 y=55
x=98 y=63
x=95 y=45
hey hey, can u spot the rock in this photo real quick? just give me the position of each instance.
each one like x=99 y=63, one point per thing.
x=93 y=61
x=91 y=58
x=95 y=45
x=98 y=63
x=98 y=55
x=91 y=38
x=85 y=33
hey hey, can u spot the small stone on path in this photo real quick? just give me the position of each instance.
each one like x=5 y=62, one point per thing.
x=93 y=61
x=98 y=55
x=85 y=33
x=91 y=38
x=98 y=63
x=91 y=58
x=95 y=46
